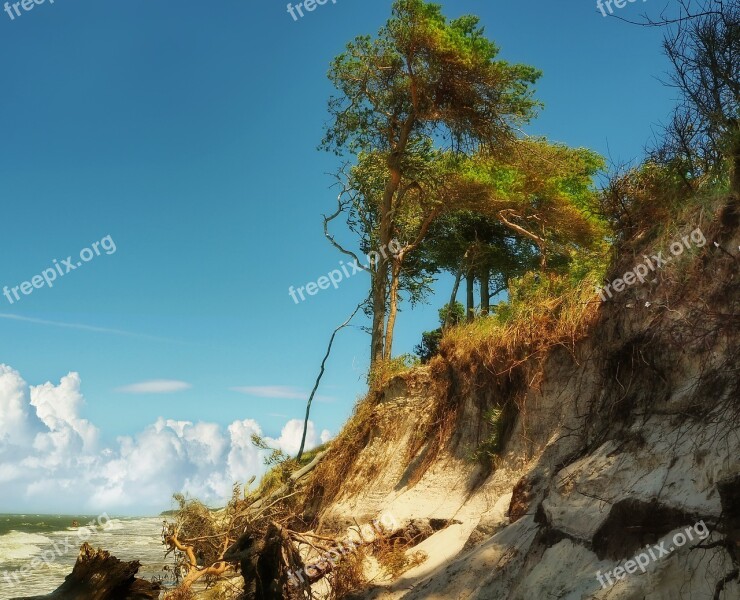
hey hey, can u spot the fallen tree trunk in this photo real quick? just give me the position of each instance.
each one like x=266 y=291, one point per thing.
x=99 y=576
x=405 y=536
x=210 y=545
x=285 y=488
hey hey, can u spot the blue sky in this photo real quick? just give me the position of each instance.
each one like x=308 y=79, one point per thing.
x=187 y=132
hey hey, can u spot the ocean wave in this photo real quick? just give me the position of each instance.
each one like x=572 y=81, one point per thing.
x=114 y=525
x=17 y=545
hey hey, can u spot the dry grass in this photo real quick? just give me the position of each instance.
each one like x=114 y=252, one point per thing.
x=348 y=576
x=393 y=556
x=274 y=479
x=280 y=473
x=501 y=356
x=639 y=201
x=180 y=593
x=384 y=372
x=538 y=317
x=329 y=477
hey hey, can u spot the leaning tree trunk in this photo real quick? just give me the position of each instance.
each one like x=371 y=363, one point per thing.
x=380 y=273
x=378 y=328
x=540 y=242
x=318 y=379
x=393 y=305
x=453 y=298
x=470 y=286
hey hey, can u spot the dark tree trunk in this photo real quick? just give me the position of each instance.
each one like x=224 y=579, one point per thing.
x=470 y=281
x=260 y=562
x=99 y=576
x=485 y=291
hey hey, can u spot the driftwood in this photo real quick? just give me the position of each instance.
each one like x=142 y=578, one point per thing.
x=255 y=534
x=286 y=487
x=194 y=572
x=99 y=576
x=407 y=534
x=248 y=534
x=267 y=562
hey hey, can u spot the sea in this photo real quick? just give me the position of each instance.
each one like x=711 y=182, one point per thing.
x=38 y=551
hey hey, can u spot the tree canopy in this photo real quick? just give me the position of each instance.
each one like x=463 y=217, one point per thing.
x=429 y=119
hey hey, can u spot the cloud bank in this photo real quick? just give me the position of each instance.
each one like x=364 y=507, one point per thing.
x=51 y=459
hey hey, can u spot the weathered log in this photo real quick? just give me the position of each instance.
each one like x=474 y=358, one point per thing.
x=285 y=488
x=99 y=576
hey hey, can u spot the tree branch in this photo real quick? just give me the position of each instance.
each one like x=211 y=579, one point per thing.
x=321 y=374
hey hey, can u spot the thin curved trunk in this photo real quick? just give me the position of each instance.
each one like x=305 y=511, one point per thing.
x=318 y=379
x=453 y=297
x=539 y=241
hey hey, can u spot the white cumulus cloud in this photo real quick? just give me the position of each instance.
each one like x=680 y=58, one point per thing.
x=51 y=459
x=290 y=437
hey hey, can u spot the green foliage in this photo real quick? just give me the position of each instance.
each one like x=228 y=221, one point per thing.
x=276 y=456
x=583 y=270
x=431 y=115
x=470 y=241
x=493 y=445
x=402 y=363
x=503 y=312
x=429 y=347
x=539 y=199
x=452 y=314
x=441 y=78
x=442 y=73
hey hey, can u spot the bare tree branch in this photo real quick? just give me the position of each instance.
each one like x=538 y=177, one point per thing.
x=321 y=374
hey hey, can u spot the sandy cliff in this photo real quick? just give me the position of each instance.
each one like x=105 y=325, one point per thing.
x=622 y=439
